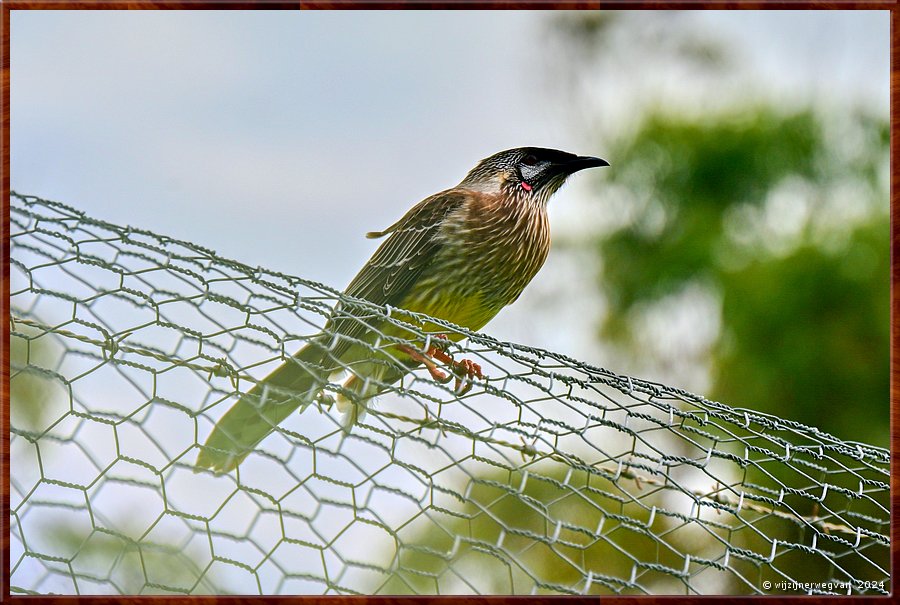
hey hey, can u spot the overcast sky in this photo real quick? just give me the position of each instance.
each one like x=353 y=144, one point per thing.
x=279 y=138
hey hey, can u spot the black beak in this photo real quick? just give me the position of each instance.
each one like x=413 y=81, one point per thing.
x=564 y=165
x=584 y=161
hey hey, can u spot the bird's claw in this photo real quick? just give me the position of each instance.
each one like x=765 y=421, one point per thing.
x=465 y=371
x=441 y=342
x=438 y=375
x=428 y=362
x=438 y=350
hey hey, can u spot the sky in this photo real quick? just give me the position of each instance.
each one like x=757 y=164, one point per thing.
x=280 y=138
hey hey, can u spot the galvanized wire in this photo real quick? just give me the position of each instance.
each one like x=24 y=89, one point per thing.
x=549 y=476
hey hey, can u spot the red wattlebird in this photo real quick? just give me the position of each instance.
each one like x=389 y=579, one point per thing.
x=460 y=255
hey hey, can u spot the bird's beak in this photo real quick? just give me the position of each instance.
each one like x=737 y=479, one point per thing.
x=557 y=172
x=584 y=161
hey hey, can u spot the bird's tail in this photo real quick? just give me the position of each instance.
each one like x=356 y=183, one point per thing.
x=292 y=385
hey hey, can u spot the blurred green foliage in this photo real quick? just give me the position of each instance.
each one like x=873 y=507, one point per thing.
x=87 y=557
x=102 y=561
x=31 y=390
x=503 y=540
x=787 y=224
x=549 y=530
x=774 y=206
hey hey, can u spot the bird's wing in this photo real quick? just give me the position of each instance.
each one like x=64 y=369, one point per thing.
x=411 y=245
x=398 y=263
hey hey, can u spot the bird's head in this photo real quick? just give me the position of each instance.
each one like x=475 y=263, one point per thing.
x=528 y=172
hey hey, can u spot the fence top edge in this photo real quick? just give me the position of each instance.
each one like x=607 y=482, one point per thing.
x=24 y=204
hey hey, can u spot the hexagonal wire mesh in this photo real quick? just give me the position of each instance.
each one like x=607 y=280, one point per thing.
x=549 y=476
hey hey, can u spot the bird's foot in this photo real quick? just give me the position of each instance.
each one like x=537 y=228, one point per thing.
x=438 y=349
x=464 y=370
x=426 y=359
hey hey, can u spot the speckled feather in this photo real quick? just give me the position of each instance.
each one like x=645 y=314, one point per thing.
x=489 y=248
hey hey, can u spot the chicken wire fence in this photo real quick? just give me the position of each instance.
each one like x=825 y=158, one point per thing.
x=549 y=476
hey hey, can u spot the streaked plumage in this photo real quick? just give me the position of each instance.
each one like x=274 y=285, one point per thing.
x=460 y=255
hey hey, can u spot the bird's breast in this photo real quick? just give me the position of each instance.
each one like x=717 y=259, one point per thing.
x=490 y=251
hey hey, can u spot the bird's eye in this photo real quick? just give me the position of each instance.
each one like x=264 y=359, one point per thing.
x=529 y=160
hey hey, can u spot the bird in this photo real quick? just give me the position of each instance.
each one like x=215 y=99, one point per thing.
x=460 y=255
